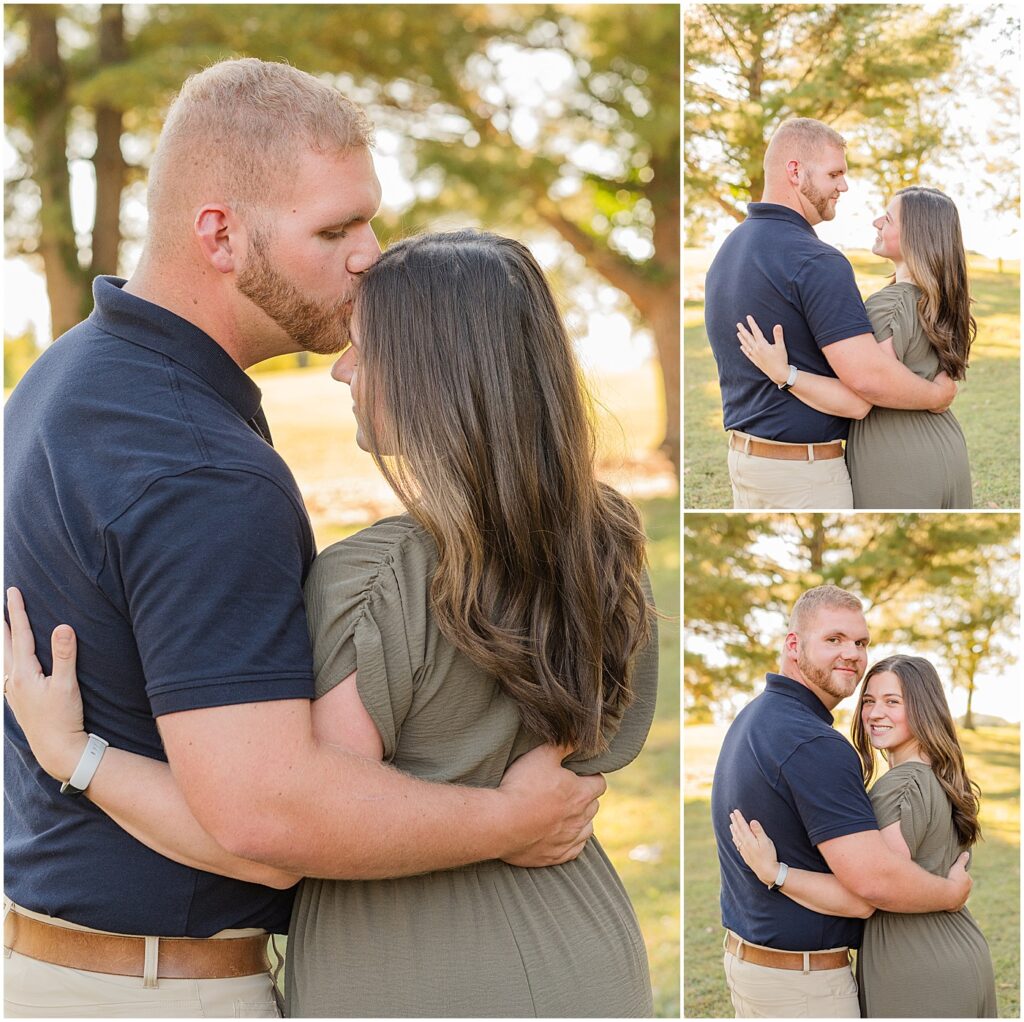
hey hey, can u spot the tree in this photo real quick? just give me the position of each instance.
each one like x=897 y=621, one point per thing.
x=926 y=580
x=593 y=157
x=884 y=74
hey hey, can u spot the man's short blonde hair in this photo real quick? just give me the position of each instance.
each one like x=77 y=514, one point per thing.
x=240 y=126
x=805 y=608
x=802 y=138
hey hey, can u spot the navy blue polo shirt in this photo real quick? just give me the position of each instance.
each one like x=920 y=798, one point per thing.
x=775 y=268
x=783 y=764
x=143 y=507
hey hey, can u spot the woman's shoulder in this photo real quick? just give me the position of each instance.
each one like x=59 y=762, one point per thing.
x=906 y=777
x=899 y=297
x=397 y=545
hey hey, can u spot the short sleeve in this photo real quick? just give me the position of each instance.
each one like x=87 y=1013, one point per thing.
x=826 y=290
x=208 y=566
x=367 y=603
x=893 y=313
x=625 y=745
x=897 y=797
x=824 y=780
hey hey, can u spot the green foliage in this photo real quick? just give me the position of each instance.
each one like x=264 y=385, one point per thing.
x=993 y=760
x=885 y=74
x=944 y=585
x=19 y=353
x=987 y=407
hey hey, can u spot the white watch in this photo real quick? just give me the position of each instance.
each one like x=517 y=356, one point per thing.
x=780 y=877
x=87 y=766
x=790 y=380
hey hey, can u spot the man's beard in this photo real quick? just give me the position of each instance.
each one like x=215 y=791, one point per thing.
x=315 y=327
x=819 y=200
x=822 y=676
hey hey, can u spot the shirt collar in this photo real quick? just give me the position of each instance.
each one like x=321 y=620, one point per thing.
x=158 y=329
x=773 y=211
x=779 y=684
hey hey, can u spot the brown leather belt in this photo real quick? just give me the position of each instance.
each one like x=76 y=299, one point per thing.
x=817 y=961
x=115 y=955
x=786 y=452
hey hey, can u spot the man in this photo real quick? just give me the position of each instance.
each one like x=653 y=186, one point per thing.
x=784 y=453
x=146 y=505
x=784 y=764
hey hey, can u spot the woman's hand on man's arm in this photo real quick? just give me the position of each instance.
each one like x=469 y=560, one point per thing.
x=819 y=892
x=137 y=792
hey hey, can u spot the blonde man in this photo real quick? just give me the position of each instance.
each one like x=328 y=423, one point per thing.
x=784 y=453
x=145 y=504
x=783 y=764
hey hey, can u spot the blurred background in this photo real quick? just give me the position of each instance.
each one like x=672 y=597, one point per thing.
x=557 y=125
x=924 y=94
x=941 y=586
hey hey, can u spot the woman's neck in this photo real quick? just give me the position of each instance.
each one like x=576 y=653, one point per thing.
x=911 y=754
x=903 y=274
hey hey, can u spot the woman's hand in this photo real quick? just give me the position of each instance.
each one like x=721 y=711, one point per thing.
x=755 y=846
x=49 y=709
x=771 y=359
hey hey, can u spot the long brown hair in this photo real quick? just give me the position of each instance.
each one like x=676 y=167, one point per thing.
x=933 y=250
x=471 y=382
x=931 y=724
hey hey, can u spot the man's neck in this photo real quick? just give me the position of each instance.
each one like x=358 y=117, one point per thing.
x=829 y=701
x=193 y=304
x=783 y=197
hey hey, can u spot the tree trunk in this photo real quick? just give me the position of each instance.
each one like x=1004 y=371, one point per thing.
x=969 y=714
x=816 y=546
x=108 y=161
x=66 y=283
x=654 y=290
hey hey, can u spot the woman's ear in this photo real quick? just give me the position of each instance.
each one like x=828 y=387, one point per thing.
x=221 y=237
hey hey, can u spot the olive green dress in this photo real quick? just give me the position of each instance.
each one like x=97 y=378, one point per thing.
x=488 y=939
x=899 y=458
x=932 y=964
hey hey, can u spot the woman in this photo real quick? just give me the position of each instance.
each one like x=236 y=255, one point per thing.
x=507 y=608
x=927 y=965
x=899 y=458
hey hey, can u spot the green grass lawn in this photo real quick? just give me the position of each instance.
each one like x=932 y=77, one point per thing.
x=993 y=759
x=639 y=820
x=987 y=407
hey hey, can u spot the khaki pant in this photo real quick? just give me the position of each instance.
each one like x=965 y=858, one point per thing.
x=760 y=992
x=770 y=483
x=34 y=989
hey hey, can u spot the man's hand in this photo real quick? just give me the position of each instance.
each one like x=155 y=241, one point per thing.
x=962 y=881
x=551 y=810
x=49 y=709
x=947 y=390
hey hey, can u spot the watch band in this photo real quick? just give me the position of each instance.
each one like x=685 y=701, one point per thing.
x=780 y=877
x=790 y=380
x=87 y=766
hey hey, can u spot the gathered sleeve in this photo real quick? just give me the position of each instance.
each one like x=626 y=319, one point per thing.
x=366 y=601
x=625 y=745
x=898 y=797
x=893 y=313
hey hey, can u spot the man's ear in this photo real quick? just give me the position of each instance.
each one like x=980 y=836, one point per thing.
x=221 y=237
x=793 y=168
x=790 y=646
